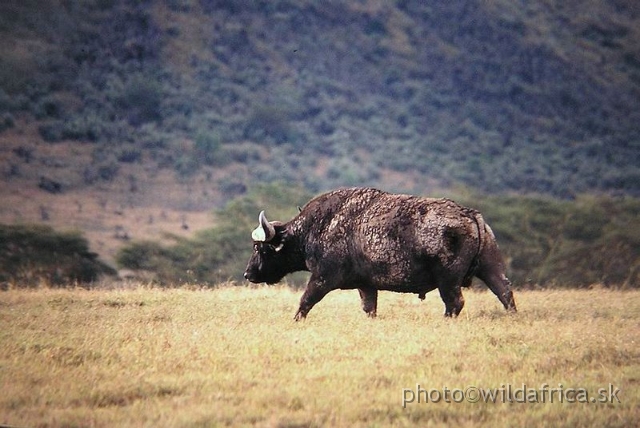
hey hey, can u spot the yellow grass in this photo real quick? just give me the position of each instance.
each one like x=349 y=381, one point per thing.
x=234 y=356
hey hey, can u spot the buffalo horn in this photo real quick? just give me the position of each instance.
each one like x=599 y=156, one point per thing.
x=269 y=230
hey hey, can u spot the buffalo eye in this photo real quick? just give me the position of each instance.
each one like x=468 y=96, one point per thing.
x=263 y=249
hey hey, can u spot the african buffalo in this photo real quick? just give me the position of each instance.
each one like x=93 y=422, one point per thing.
x=370 y=240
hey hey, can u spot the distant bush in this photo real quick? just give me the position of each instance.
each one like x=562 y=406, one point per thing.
x=104 y=167
x=18 y=68
x=31 y=255
x=140 y=99
x=270 y=122
x=84 y=128
x=48 y=107
x=108 y=170
x=129 y=155
x=6 y=121
x=242 y=153
x=24 y=152
x=51 y=132
x=349 y=172
x=207 y=146
x=49 y=185
x=186 y=166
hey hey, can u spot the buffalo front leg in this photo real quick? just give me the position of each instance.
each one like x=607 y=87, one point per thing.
x=369 y=298
x=315 y=291
x=453 y=300
x=501 y=287
x=492 y=272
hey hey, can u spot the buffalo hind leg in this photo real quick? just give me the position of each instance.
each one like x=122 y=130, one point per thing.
x=453 y=300
x=314 y=292
x=369 y=298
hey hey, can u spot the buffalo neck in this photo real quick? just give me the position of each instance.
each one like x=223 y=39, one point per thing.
x=296 y=244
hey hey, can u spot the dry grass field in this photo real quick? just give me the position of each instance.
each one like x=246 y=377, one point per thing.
x=233 y=356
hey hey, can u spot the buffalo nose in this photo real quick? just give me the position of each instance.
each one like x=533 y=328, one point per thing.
x=246 y=275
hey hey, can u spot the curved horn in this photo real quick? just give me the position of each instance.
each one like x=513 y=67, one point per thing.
x=259 y=234
x=269 y=230
x=265 y=232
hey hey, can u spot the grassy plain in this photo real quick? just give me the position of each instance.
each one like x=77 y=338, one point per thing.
x=233 y=356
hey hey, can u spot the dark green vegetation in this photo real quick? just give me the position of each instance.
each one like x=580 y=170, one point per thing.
x=498 y=95
x=545 y=242
x=37 y=255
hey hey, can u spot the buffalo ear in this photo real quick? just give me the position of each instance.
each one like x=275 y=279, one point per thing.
x=258 y=234
x=281 y=235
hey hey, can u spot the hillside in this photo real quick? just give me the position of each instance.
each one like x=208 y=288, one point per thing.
x=119 y=116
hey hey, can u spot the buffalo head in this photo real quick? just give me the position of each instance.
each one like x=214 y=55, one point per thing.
x=269 y=262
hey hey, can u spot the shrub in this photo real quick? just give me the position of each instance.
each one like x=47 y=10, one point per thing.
x=186 y=165
x=84 y=128
x=51 y=132
x=129 y=155
x=108 y=170
x=32 y=254
x=140 y=99
x=207 y=146
x=49 y=107
x=270 y=122
x=101 y=171
x=49 y=185
x=6 y=121
x=140 y=255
